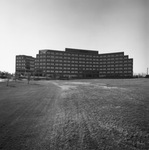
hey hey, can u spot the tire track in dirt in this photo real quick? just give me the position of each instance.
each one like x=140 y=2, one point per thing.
x=30 y=122
x=89 y=120
x=75 y=115
x=75 y=129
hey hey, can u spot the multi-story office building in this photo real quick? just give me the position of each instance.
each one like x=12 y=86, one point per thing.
x=24 y=64
x=77 y=63
x=115 y=65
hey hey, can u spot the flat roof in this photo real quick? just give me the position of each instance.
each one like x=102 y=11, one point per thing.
x=45 y=50
x=111 y=53
x=24 y=56
x=74 y=50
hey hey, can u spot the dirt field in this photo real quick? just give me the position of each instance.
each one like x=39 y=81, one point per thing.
x=101 y=114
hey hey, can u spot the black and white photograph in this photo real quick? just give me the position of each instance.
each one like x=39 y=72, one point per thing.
x=74 y=74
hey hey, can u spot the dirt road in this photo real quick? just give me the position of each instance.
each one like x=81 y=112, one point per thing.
x=62 y=115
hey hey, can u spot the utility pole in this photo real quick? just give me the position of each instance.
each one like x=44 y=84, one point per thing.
x=147 y=71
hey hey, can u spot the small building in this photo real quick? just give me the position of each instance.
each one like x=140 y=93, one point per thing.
x=24 y=65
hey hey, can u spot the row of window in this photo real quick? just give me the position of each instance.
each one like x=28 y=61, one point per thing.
x=82 y=61
x=73 y=68
x=78 y=65
x=114 y=72
x=67 y=71
x=20 y=60
x=68 y=68
x=65 y=54
x=77 y=59
x=81 y=58
x=103 y=72
x=83 y=65
x=19 y=57
x=50 y=53
x=22 y=64
x=24 y=58
x=86 y=68
x=128 y=68
x=91 y=63
x=57 y=64
x=24 y=67
x=56 y=71
x=23 y=61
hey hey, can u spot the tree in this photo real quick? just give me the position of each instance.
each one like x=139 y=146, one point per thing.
x=8 y=78
x=28 y=77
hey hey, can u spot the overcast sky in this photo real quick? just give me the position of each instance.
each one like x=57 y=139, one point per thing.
x=104 y=25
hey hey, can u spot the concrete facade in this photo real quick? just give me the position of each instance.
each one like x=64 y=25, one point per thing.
x=24 y=64
x=78 y=63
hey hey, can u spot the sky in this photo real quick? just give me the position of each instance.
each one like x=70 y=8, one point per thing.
x=27 y=26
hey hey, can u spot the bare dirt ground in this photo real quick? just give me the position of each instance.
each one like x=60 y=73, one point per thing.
x=75 y=115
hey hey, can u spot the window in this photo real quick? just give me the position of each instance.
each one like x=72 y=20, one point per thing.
x=120 y=61
x=116 y=65
x=120 y=65
x=120 y=68
x=129 y=68
x=129 y=64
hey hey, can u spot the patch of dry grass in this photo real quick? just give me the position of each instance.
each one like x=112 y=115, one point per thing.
x=78 y=114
